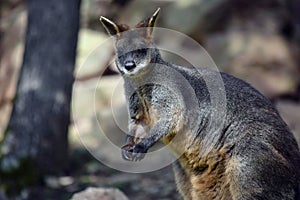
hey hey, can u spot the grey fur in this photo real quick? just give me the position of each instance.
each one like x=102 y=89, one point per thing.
x=251 y=154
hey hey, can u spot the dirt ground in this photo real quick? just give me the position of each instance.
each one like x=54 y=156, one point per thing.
x=88 y=172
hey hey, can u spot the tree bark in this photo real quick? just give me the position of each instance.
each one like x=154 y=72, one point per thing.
x=36 y=137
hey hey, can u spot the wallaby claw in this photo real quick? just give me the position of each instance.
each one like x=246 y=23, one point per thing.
x=133 y=152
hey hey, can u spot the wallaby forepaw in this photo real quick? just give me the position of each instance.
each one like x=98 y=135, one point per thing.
x=133 y=153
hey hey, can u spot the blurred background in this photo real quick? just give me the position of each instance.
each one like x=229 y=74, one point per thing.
x=44 y=43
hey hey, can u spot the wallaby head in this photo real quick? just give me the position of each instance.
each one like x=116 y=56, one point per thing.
x=134 y=46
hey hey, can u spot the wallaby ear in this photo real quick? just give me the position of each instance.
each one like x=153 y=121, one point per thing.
x=149 y=23
x=111 y=28
x=152 y=20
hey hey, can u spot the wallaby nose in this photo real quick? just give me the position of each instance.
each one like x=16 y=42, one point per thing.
x=129 y=65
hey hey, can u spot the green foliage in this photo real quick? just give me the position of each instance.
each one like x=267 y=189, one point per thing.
x=15 y=179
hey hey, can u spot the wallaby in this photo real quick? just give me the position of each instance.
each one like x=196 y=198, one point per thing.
x=252 y=155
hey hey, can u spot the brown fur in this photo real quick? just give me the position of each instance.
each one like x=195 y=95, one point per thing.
x=207 y=177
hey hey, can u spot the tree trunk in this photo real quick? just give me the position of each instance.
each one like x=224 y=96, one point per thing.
x=35 y=142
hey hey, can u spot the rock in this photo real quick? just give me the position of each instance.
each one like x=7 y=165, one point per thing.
x=100 y=194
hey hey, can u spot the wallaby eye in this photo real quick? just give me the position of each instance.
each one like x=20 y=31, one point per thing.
x=121 y=57
x=141 y=51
